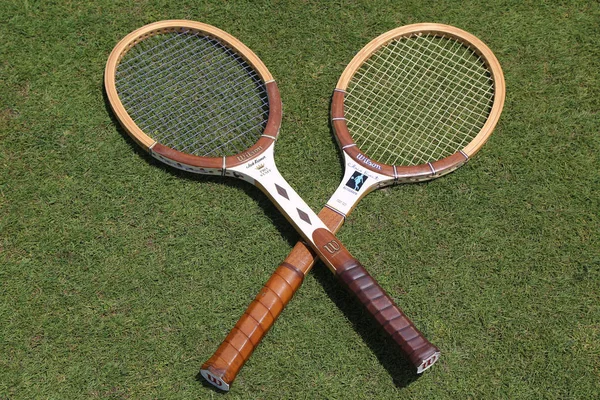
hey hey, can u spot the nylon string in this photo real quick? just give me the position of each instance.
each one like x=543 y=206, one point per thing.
x=417 y=100
x=193 y=94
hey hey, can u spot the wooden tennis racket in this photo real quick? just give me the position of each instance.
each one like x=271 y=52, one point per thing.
x=414 y=104
x=199 y=100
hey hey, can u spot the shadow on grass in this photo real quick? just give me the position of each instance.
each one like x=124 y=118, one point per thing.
x=385 y=349
x=387 y=352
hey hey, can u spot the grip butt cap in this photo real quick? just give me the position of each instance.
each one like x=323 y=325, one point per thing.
x=428 y=362
x=214 y=380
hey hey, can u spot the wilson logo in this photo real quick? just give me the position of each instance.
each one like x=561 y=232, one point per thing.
x=428 y=363
x=362 y=158
x=249 y=154
x=332 y=247
x=215 y=381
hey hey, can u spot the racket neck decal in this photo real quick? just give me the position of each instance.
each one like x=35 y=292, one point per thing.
x=357 y=182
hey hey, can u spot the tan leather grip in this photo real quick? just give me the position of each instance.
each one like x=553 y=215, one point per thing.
x=222 y=368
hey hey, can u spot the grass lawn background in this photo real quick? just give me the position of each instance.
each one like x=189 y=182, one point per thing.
x=119 y=277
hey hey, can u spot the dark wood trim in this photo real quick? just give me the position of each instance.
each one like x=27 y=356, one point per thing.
x=450 y=163
x=188 y=159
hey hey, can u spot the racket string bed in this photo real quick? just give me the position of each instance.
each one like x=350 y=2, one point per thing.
x=379 y=111
x=218 y=107
x=431 y=118
x=183 y=95
x=414 y=136
x=400 y=96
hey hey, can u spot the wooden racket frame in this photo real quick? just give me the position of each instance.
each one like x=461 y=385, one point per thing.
x=222 y=368
x=167 y=154
x=430 y=170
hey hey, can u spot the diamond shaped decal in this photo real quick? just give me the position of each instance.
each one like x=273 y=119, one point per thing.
x=282 y=191
x=303 y=216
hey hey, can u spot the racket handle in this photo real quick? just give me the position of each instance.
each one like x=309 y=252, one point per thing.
x=222 y=368
x=378 y=303
x=422 y=353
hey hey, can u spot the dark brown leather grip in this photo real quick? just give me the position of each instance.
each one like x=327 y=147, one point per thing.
x=354 y=276
x=414 y=345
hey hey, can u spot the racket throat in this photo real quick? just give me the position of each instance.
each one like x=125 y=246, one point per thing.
x=263 y=173
x=358 y=181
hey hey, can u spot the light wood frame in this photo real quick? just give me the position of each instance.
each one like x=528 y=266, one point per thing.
x=165 y=153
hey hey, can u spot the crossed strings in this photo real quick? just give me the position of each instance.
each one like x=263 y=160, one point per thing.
x=418 y=99
x=190 y=92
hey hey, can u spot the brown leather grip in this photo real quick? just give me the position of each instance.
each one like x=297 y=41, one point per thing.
x=414 y=345
x=355 y=277
x=222 y=368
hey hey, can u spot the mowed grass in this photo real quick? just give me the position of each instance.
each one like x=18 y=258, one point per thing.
x=119 y=277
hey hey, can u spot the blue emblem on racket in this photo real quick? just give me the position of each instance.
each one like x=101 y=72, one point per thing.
x=356 y=181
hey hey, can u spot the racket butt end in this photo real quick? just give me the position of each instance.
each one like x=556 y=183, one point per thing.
x=428 y=362
x=214 y=378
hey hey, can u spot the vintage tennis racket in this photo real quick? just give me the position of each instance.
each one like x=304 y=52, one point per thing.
x=414 y=104
x=197 y=99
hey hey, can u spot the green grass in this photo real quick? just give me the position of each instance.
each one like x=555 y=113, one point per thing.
x=119 y=277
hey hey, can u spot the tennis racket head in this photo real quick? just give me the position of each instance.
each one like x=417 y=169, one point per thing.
x=193 y=95
x=417 y=102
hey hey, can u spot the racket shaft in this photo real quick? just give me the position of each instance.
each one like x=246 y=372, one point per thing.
x=223 y=367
